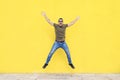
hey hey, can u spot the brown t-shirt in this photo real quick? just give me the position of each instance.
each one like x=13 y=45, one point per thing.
x=60 y=31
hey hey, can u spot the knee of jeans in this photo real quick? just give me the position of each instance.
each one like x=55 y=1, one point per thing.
x=49 y=56
x=68 y=55
x=67 y=52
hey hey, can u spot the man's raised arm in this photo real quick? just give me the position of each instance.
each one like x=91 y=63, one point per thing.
x=47 y=19
x=73 y=22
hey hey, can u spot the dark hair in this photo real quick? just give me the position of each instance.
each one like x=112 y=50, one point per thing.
x=60 y=19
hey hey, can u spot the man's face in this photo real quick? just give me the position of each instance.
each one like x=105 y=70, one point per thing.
x=60 y=21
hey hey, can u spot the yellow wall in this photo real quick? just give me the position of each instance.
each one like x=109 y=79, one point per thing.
x=26 y=38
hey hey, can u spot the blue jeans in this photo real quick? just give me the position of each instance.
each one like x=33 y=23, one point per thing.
x=57 y=45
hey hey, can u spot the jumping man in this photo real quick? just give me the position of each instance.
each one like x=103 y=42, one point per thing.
x=60 y=38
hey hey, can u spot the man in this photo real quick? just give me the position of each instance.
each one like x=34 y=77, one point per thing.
x=60 y=38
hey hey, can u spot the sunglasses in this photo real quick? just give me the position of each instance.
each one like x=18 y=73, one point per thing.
x=60 y=21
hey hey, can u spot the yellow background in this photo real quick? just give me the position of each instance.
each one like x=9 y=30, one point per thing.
x=26 y=38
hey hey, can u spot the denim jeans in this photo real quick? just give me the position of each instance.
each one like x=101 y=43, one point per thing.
x=57 y=45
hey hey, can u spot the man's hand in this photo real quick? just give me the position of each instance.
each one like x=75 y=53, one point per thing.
x=46 y=18
x=78 y=17
x=73 y=22
x=43 y=13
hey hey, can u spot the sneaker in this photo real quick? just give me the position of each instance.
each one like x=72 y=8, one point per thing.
x=45 y=65
x=72 y=66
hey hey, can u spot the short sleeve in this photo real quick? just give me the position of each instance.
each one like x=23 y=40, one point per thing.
x=66 y=25
x=54 y=24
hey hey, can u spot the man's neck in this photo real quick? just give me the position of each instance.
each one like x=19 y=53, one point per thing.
x=60 y=24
